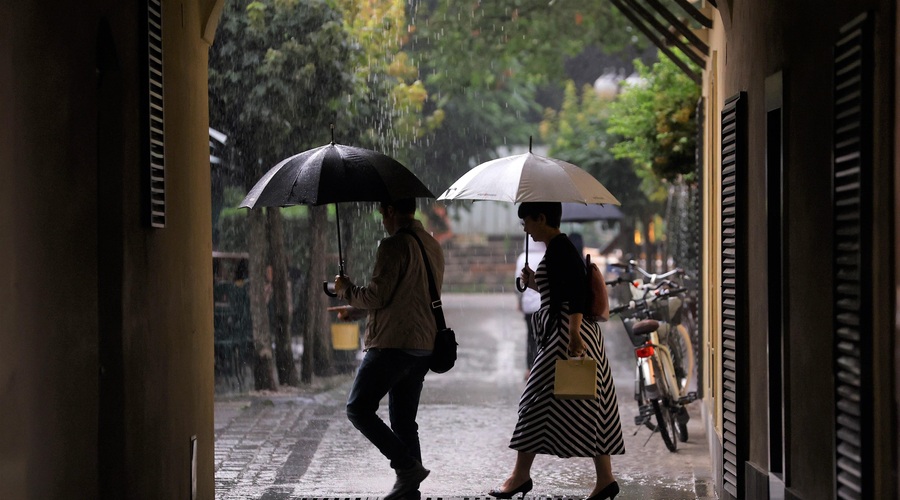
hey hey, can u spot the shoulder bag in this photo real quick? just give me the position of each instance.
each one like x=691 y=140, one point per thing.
x=598 y=298
x=443 y=357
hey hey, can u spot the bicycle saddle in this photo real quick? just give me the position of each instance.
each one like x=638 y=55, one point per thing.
x=645 y=326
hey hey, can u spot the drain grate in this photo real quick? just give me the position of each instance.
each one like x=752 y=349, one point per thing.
x=281 y=495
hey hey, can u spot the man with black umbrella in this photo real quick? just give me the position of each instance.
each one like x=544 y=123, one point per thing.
x=400 y=332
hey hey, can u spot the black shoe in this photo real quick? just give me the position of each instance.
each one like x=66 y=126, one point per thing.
x=407 y=480
x=522 y=488
x=610 y=492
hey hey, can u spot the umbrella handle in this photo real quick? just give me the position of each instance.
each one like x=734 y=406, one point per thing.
x=337 y=215
x=325 y=283
x=519 y=285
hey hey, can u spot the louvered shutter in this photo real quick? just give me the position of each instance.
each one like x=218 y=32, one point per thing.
x=851 y=197
x=734 y=324
x=155 y=158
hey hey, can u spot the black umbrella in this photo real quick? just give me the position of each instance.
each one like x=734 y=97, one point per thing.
x=331 y=174
x=579 y=212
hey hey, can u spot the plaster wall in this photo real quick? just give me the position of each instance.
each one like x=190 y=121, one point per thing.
x=764 y=41
x=797 y=38
x=106 y=368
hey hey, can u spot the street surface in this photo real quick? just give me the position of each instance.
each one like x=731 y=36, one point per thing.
x=298 y=443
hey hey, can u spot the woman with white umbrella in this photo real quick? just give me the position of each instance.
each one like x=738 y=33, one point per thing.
x=547 y=425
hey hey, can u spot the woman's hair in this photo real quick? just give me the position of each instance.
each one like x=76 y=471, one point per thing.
x=552 y=210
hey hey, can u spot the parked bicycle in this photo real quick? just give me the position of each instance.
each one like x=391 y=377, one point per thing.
x=674 y=311
x=663 y=355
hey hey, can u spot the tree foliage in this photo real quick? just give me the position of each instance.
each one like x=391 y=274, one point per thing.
x=388 y=98
x=578 y=133
x=277 y=78
x=484 y=63
x=657 y=121
x=488 y=44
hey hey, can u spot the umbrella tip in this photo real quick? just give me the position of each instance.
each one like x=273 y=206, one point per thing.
x=529 y=143
x=332 y=134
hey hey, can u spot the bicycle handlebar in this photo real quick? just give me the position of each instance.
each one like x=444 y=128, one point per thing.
x=617 y=310
x=643 y=305
x=632 y=265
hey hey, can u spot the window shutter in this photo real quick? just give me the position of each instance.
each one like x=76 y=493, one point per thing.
x=733 y=244
x=155 y=171
x=851 y=198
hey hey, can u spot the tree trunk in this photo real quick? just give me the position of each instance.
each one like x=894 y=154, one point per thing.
x=281 y=297
x=627 y=227
x=263 y=366
x=317 y=350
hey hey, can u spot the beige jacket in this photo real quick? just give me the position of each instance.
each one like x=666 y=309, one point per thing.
x=397 y=297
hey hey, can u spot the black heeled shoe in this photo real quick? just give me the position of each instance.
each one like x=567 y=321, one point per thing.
x=610 y=492
x=522 y=488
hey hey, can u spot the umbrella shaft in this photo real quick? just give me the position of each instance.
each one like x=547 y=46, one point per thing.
x=527 y=237
x=337 y=216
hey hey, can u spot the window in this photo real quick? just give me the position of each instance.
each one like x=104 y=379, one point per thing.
x=154 y=187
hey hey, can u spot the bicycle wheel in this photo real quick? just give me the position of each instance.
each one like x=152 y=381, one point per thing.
x=643 y=401
x=680 y=425
x=682 y=432
x=679 y=343
x=666 y=425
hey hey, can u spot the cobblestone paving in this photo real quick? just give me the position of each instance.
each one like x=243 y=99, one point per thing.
x=299 y=444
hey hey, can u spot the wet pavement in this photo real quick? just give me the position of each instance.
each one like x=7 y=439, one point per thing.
x=298 y=444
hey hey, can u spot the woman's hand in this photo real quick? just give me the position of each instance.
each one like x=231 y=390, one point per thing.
x=528 y=277
x=576 y=344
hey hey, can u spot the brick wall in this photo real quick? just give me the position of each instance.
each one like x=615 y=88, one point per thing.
x=481 y=264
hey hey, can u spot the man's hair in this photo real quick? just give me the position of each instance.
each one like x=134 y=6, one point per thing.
x=405 y=206
x=552 y=210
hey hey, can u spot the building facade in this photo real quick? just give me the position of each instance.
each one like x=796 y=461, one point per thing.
x=106 y=343
x=800 y=279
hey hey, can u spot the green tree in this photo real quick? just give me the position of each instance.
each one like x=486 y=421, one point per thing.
x=277 y=75
x=656 y=118
x=657 y=121
x=388 y=96
x=484 y=64
x=578 y=133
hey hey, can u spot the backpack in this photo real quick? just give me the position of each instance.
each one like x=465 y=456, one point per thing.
x=598 y=298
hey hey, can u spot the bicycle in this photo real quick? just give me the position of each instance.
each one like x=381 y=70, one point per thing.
x=673 y=310
x=661 y=390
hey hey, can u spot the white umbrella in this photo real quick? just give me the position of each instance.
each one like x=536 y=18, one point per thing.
x=529 y=177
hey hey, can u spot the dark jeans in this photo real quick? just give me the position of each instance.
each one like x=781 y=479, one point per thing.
x=400 y=376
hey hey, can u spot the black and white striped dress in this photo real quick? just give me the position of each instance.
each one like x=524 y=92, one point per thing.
x=566 y=428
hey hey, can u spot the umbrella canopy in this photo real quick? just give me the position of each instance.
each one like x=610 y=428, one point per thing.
x=334 y=173
x=331 y=174
x=529 y=177
x=577 y=212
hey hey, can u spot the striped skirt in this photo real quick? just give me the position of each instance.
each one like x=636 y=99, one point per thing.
x=572 y=427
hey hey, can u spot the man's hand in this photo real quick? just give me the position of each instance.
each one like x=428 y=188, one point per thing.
x=341 y=283
x=348 y=313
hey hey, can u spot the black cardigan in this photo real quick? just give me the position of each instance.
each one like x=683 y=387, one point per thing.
x=567 y=275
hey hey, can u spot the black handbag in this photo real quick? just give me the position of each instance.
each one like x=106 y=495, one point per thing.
x=443 y=357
